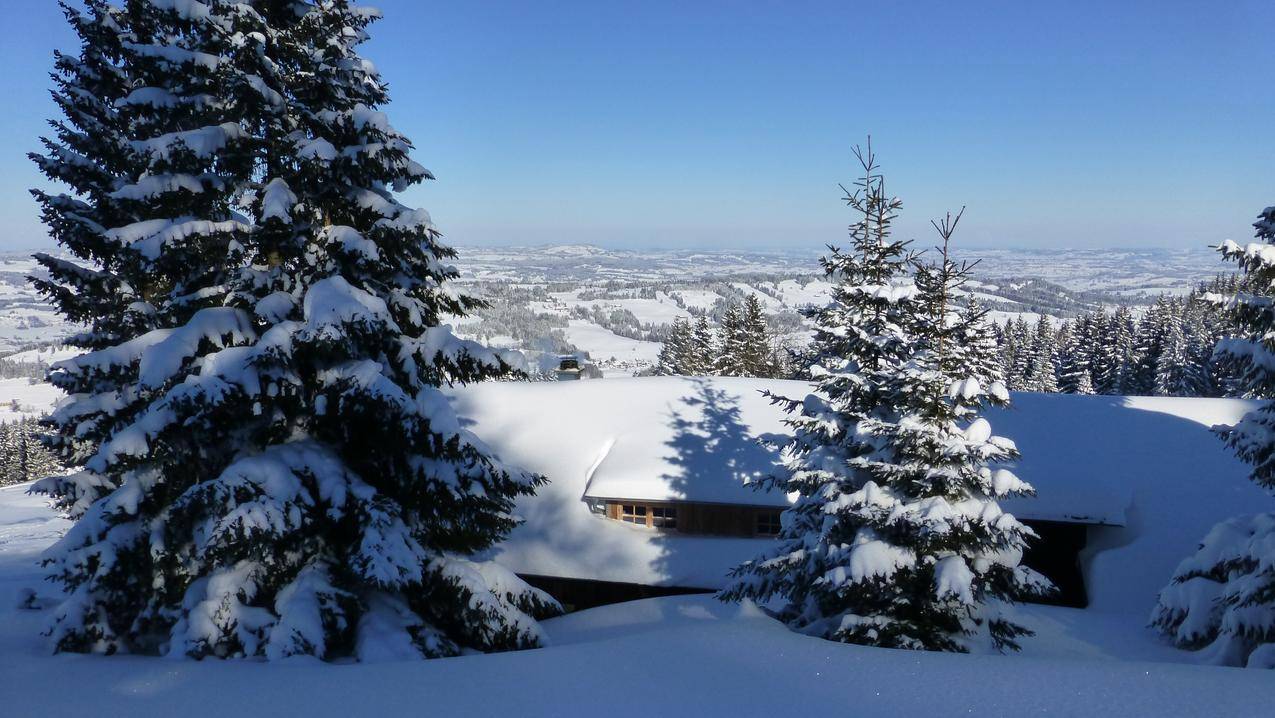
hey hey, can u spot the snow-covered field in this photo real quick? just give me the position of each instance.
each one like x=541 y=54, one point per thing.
x=44 y=355
x=605 y=345
x=20 y=398
x=1165 y=476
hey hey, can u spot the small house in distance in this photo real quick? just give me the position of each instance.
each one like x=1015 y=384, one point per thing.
x=651 y=484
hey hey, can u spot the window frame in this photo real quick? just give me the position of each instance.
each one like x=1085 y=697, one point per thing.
x=651 y=515
x=764 y=516
x=630 y=513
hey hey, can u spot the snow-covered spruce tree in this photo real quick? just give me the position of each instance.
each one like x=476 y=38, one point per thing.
x=1222 y=599
x=23 y=456
x=702 y=351
x=1073 y=363
x=1174 y=373
x=278 y=471
x=978 y=341
x=1043 y=365
x=1075 y=373
x=1148 y=345
x=755 y=336
x=676 y=350
x=1202 y=325
x=9 y=455
x=732 y=344
x=895 y=538
x=1114 y=356
x=1008 y=348
x=1018 y=373
x=115 y=290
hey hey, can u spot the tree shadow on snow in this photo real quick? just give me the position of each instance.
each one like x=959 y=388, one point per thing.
x=713 y=458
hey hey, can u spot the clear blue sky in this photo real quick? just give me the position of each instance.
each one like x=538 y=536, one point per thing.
x=729 y=124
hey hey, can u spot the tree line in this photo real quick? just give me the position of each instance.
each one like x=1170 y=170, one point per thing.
x=1167 y=351
x=743 y=344
x=23 y=457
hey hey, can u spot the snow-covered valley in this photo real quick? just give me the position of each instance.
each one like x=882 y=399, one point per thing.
x=617 y=305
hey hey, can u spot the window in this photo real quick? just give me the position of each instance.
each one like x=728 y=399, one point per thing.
x=660 y=517
x=664 y=517
x=767 y=523
x=633 y=514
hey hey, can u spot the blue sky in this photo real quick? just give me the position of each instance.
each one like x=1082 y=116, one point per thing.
x=729 y=124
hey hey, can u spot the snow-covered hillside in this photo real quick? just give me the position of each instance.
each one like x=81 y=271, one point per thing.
x=1151 y=462
x=653 y=287
x=21 y=398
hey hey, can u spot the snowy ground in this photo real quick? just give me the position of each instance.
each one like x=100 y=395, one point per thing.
x=674 y=656
x=20 y=398
x=695 y=656
x=44 y=355
x=617 y=355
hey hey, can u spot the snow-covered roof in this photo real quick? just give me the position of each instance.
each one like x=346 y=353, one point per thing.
x=1149 y=464
x=711 y=440
x=701 y=444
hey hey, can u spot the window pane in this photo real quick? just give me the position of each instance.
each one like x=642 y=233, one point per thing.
x=768 y=523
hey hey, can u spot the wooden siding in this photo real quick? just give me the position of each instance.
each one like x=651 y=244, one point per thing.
x=703 y=519
x=1056 y=554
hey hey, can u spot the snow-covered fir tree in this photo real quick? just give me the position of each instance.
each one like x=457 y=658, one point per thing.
x=980 y=344
x=1115 y=356
x=676 y=353
x=732 y=344
x=1008 y=350
x=895 y=538
x=270 y=468
x=756 y=339
x=1174 y=372
x=23 y=455
x=702 y=349
x=1075 y=373
x=1148 y=344
x=1018 y=374
x=1042 y=365
x=1221 y=600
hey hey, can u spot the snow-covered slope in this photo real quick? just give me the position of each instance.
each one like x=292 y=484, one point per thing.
x=20 y=398
x=693 y=654
x=690 y=655
x=44 y=355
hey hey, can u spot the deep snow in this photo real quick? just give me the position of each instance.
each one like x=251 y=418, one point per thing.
x=693 y=655
x=687 y=655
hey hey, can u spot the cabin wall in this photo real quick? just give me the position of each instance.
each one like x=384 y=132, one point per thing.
x=703 y=519
x=1055 y=554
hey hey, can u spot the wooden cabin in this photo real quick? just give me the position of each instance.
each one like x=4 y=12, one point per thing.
x=1056 y=554
x=651 y=493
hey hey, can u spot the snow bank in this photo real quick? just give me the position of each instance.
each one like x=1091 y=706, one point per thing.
x=1178 y=478
x=690 y=653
